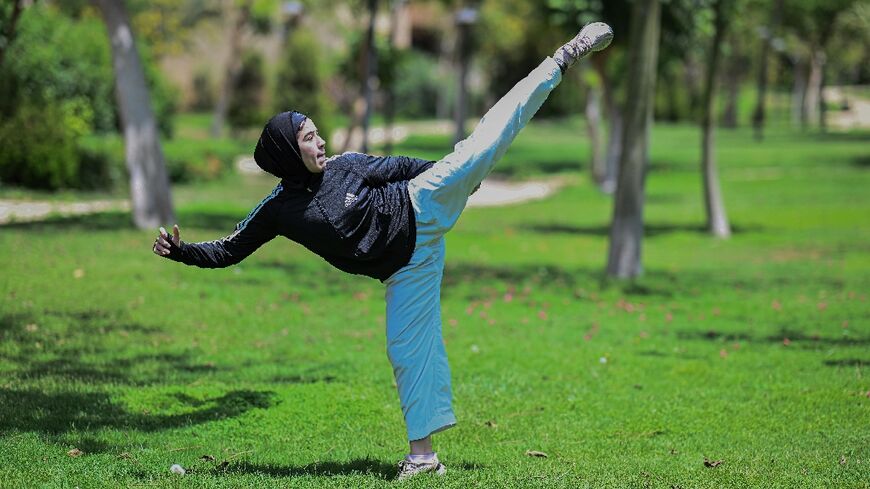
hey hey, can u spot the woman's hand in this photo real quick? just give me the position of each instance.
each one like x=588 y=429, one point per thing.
x=162 y=243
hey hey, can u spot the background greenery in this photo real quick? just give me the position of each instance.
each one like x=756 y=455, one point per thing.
x=750 y=351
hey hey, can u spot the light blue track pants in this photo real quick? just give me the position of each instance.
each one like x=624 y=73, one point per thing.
x=414 y=344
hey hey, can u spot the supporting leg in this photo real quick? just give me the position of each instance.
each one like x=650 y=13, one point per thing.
x=414 y=343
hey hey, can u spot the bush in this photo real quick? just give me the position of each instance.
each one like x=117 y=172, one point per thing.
x=57 y=83
x=38 y=148
x=186 y=160
x=301 y=79
x=203 y=92
x=200 y=160
x=417 y=86
x=246 y=104
x=43 y=65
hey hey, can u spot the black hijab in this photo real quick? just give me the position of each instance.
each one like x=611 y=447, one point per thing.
x=277 y=151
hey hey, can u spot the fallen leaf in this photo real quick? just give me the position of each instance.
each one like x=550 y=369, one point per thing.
x=776 y=305
x=30 y=328
x=207 y=458
x=712 y=463
x=78 y=273
x=822 y=306
x=535 y=453
x=723 y=353
x=75 y=452
x=786 y=341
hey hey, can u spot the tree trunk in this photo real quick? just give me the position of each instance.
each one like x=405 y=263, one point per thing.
x=626 y=230
x=614 y=148
x=397 y=11
x=462 y=59
x=615 y=121
x=759 y=115
x=597 y=163
x=370 y=75
x=799 y=93
x=823 y=110
x=150 y=195
x=233 y=66
x=717 y=219
x=9 y=33
x=732 y=78
x=814 y=85
x=693 y=82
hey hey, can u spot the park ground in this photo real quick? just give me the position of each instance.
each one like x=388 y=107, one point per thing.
x=730 y=363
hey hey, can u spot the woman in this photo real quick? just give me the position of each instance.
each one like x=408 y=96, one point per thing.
x=385 y=217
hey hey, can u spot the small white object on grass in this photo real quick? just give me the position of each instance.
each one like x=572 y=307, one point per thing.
x=603 y=359
x=177 y=469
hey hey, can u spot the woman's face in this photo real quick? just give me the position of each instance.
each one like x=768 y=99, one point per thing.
x=312 y=147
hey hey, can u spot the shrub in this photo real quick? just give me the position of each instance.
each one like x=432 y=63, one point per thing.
x=57 y=83
x=417 y=86
x=38 y=147
x=203 y=92
x=246 y=104
x=300 y=81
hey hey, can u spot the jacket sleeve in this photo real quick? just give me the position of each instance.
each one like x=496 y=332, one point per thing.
x=256 y=230
x=385 y=169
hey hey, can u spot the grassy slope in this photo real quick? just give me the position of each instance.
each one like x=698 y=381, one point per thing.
x=278 y=365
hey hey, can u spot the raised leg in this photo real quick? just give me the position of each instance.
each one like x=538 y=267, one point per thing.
x=439 y=194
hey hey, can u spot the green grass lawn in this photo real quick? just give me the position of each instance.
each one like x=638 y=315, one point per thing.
x=752 y=351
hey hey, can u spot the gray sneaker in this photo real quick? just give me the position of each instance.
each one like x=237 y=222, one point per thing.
x=591 y=38
x=409 y=469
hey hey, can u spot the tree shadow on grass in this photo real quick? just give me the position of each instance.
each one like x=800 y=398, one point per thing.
x=660 y=283
x=59 y=412
x=847 y=362
x=795 y=338
x=222 y=222
x=364 y=466
x=862 y=161
x=649 y=230
x=68 y=351
x=513 y=169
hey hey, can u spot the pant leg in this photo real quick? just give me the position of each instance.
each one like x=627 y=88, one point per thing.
x=414 y=343
x=439 y=194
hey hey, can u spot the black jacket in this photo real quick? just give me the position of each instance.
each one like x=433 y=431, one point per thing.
x=357 y=215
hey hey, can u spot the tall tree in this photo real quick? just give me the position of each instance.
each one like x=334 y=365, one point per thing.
x=370 y=77
x=149 y=183
x=8 y=25
x=397 y=40
x=233 y=65
x=626 y=230
x=768 y=33
x=592 y=111
x=717 y=218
